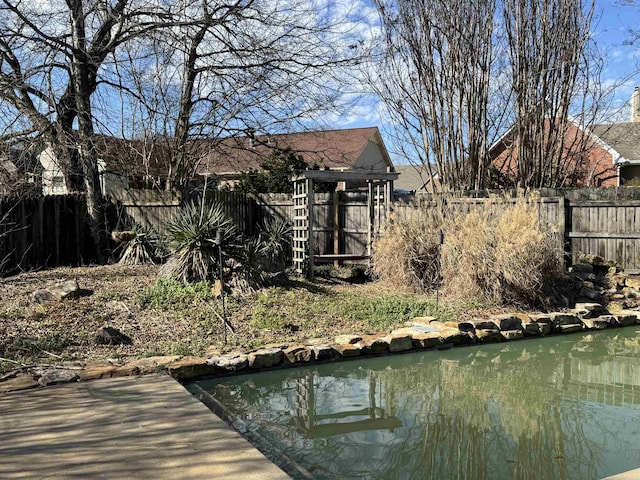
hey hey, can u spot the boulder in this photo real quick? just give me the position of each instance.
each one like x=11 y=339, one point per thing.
x=297 y=354
x=322 y=352
x=455 y=336
x=506 y=322
x=589 y=259
x=399 y=342
x=53 y=376
x=595 y=323
x=481 y=323
x=60 y=291
x=427 y=340
x=230 y=362
x=588 y=310
x=265 y=358
x=43 y=296
x=347 y=350
x=561 y=318
x=374 y=345
x=624 y=319
x=190 y=367
x=488 y=335
x=569 y=328
x=581 y=268
x=512 y=334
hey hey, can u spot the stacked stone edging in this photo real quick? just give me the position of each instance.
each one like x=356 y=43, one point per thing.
x=423 y=333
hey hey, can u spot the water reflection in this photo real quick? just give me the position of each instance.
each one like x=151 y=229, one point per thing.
x=554 y=408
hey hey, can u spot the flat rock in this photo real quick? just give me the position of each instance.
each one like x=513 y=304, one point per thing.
x=191 y=367
x=424 y=320
x=488 y=335
x=374 y=345
x=595 y=323
x=346 y=339
x=322 y=352
x=569 y=328
x=399 y=342
x=588 y=310
x=427 y=340
x=347 y=350
x=512 y=334
x=561 y=318
x=506 y=321
x=231 y=362
x=297 y=354
x=482 y=324
x=154 y=364
x=43 y=296
x=265 y=358
x=455 y=336
x=54 y=376
x=581 y=268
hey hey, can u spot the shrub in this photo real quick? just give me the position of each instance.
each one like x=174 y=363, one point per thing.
x=145 y=247
x=192 y=237
x=500 y=253
x=406 y=255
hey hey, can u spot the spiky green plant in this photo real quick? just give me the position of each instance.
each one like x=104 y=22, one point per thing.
x=145 y=247
x=192 y=238
x=275 y=239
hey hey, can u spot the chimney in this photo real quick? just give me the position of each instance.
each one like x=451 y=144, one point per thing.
x=635 y=105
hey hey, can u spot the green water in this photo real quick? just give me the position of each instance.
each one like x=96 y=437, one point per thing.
x=553 y=408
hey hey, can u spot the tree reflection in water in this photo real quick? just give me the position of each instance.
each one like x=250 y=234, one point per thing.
x=553 y=408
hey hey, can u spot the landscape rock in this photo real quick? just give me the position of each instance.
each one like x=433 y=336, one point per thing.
x=347 y=350
x=43 y=296
x=558 y=319
x=488 y=335
x=374 y=345
x=265 y=358
x=111 y=336
x=154 y=364
x=581 y=268
x=591 y=293
x=323 y=352
x=595 y=323
x=297 y=354
x=588 y=310
x=540 y=317
x=424 y=320
x=506 y=322
x=190 y=367
x=427 y=340
x=512 y=334
x=481 y=323
x=569 y=328
x=455 y=336
x=230 y=362
x=347 y=339
x=53 y=376
x=633 y=282
x=594 y=260
x=399 y=342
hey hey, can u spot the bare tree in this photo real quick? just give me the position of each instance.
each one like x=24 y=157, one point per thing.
x=435 y=82
x=51 y=57
x=237 y=68
x=547 y=49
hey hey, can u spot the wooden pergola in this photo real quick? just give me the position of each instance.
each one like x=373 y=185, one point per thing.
x=379 y=185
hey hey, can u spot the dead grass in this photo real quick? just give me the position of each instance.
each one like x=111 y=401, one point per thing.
x=500 y=254
x=164 y=319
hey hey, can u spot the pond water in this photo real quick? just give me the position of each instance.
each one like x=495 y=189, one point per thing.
x=552 y=408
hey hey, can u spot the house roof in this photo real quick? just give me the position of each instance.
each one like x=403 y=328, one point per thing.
x=334 y=149
x=412 y=178
x=624 y=138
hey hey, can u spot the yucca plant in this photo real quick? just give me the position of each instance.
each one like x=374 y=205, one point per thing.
x=145 y=247
x=192 y=239
x=275 y=239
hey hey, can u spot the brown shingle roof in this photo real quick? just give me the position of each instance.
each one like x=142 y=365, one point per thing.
x=335 y=149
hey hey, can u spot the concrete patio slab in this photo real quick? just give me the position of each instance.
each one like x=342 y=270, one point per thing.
x=630 y=475
x=134 y=428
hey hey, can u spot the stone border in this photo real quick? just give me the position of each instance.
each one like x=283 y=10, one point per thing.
x=423 y=333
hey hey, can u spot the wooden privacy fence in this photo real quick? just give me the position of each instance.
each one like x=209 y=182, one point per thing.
x=38 y=232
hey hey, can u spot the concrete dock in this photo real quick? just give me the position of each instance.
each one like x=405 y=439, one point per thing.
x=133 y=428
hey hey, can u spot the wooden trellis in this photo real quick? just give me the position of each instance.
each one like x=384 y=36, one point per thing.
x=380 y=189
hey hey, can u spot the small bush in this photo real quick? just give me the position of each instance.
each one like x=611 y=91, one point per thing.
x=145 y=247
